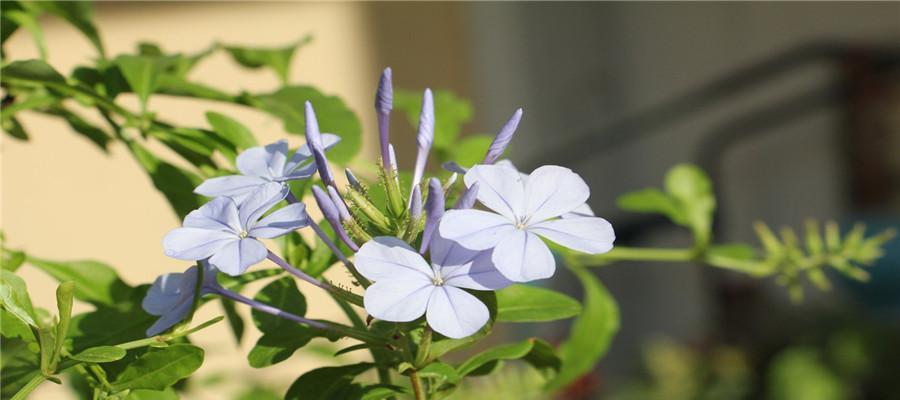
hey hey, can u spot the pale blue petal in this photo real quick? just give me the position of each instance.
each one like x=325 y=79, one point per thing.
x=500 y=188
x=169 y=319
x=217 y=214
x=283 y=221
x=590 y=235
x=552 y=191
x=163 y=295
x=523 y=257
x=303 y=157
x=479 y=274
x=397 y=300
x=235 y=257
x=277 y=157
x=475 y=229
x=259 y=202
x=195 y=243
x=255 y=162
x=455 y=313
x=583 y=210
x=447 y=254
x=231 y=185
x=389 y=258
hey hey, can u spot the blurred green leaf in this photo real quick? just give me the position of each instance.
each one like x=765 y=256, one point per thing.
x=470 y=150
x=64 y=294
x=799 y=373
x=95 y=282
x=440 y=373
x=235 y=322
x=142 y=74
x=86 y=129
x=80 y=15
x=736 y=251
x=15 y=299
x=161 y=368
x=652 y=200
x=11 y=259
x=281 y=337
x=13 y=327
x=451 y=113
x=333 y=114
x=176 y=185
x=524 y=303
x=100 y=354
x=277 y=346
x=32 y=71
x=591 y=332
x=146 y=394
x=543 y=358
x=278 y=59
x=121 y=322
x=232 y=130
x=328 y=383
x=28 y=21
x=14 y=129
x=512 y=351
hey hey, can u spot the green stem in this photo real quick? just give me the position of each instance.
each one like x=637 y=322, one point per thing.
x=416 y=385
x=32 y=384
x=424 y=348
x=642 y=254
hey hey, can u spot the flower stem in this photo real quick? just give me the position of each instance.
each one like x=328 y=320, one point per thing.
x=267 y=308
x=336 y=291
x=32 y=384
x=416 y=385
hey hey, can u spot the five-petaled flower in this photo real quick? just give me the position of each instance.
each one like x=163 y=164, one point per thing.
x=526 y=208
x=264 y=164
x=227 y=233
x=172 y=296
x=406 y=286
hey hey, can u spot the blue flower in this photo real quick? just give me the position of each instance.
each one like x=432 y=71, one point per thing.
x=171 y=297
x=406 y=286
x=524 y=209
x=227 y=233
x=264 y=164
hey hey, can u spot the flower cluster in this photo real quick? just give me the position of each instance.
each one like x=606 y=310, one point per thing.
x=421 y=258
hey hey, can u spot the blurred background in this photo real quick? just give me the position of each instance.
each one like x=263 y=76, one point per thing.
x=793 y=109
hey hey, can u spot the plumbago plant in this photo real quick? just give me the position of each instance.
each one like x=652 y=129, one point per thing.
x=435 y=263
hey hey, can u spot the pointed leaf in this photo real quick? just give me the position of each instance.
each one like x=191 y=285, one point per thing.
x=159 y=369
x=100 y=354
x=524 y=303
x=95 y=282
x=512 y=351
x=15 y=299
x=328 y=383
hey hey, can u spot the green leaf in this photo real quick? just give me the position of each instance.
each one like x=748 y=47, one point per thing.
x=333 y=114
x=524 y=303
x=735 y=251
x=512 y=351
x=177 y=86
x=64 y=295
x=19 y=364
x=80 y=126
x=691 y=188
x=441 y=373
x=159 y=369
x=275 y=347
x=328 y=383
x=12 y=327
x=232 y=130
x=176 y=184
x=11 y=259
x=652 y=200
x=451 y=111
x=122 y=322
x=543 y=358
x=283 y=294
x=234 y=319
x=100 y=354
x=29 y=21
x=799 y=373
x=142 y=74
x=15 y=299
x=591 y=332
x=95 y=282
x=14 y=128
x=145 y=394
x=32 y=71
x=79 y=14
x=277 y=59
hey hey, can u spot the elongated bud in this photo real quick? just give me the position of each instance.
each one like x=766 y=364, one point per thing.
x=450 y=181
x=384 y=102
x=330 y=211
x=338 y=201
x=452 y=166
x=424 y=137
x=415 y=209
x=498 y=146
x=434 y=211
x=314 y=140
x=354 y=183
x=467 y=198
x=364 y=206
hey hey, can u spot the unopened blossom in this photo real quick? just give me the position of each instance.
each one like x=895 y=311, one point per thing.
x=524 y=209
x=171 y=297
x=407 y=286
x=228 y=233
x=264 y=164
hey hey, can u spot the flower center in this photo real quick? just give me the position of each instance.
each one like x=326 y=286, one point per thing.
x=243 y=234
x=437 y=281
x=521 y=225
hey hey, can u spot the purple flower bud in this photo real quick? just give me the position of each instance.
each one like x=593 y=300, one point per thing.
x=498 y=146
x=467 y=198
x=332 y=215
x=393 y=157
x=343 y=212
x=314 y=141
x=434 y=209
x=425 y=136
x=384 y=99
x=415 y=203
x=452 y=166
x=354 y=183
